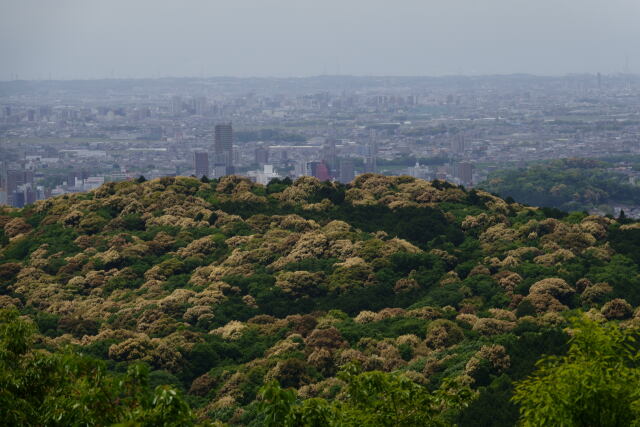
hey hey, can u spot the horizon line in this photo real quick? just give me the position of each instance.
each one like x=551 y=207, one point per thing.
x=314 y=76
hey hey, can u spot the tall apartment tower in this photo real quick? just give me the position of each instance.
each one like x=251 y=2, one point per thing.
x=330 y=154
x=15 y=181
x=318 y=170
x=371 y=153
x=176 y=105
x=261 y=156
x=371 y=159
x=458 y=144
x=346 y=171
x=3 y=183
x=201 y=163
x=224 y=147
x=464 y=172
x=16 y=178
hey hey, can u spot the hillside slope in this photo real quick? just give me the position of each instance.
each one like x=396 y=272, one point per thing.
x=221 y=286
x=567 y=184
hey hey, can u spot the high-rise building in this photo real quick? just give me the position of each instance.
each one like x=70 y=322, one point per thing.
x=16 y=182
x=458 y=144
x=71 y=179
x=371 y=160
x=219 y=170
x=262 y=156
x=223 y=138
x=330 y=155
x=347 y=173
x=15 y=178
x=318 y=170
x=200 y=105
x=464 y=172
x=4 y=196
x=30 y=194
x=224 y=147
x=201 y=163
x=16 y=199
x=176 y=105
x=371 y=157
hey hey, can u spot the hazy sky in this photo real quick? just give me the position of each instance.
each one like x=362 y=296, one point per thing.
x=157 y=38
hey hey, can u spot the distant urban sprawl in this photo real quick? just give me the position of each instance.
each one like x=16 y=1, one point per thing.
x=58 y=137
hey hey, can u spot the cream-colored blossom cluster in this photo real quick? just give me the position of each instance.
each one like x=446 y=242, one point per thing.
x=593 y=294
x=449 y=278
x=291 y=343
x=299 y=283
x=498 y=232
x=482 y=221
x=491 y=326
x=508 y=280
x=16 y=227
x=198 y=247
x=231 y=331
x=495 y=354
x=406 y=285
x=545 y=295
x=617 y=308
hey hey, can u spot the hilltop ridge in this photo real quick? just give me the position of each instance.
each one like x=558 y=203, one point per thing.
x=223 y=285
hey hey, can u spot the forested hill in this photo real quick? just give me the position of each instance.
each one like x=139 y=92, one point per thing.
x=223 y=286
x=566 y=184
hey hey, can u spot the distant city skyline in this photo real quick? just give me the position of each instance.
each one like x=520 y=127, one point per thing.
x=59 y=137
x=18 y=78
x=72 y=39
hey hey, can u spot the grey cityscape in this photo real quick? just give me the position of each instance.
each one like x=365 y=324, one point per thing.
x=71 y=136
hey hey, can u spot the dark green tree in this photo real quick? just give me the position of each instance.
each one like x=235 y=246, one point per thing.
x=371 y=399
x=38 y=388
x=597 y=383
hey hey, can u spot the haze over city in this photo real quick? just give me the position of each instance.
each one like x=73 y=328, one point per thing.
x=461 y=91
x=353 y=213
x=72 y=39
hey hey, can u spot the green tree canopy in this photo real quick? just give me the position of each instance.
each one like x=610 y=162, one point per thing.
x=370 y=399
x=597 y=383
x=39 y=388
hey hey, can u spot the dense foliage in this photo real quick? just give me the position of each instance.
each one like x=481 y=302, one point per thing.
x=39 y=388
x=567 y=184
x=597 y=383
x=239 y=295
x=370 y=399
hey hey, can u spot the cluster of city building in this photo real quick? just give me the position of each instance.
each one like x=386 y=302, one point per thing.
x=319 y=160
x=70 y=136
